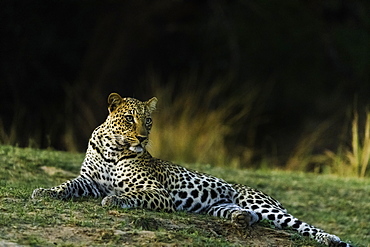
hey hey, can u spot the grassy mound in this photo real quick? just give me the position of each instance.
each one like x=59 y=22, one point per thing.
x=338 y=205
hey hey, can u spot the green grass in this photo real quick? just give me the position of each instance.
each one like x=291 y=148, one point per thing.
x=338 y=205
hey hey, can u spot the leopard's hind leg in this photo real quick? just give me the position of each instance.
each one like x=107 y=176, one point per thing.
x=239 y=216
x=268 y=208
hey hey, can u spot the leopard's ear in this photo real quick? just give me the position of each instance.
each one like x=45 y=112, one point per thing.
x=152 y=104
x=114 y=100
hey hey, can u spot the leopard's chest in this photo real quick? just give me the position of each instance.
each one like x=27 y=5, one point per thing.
x=112 y=175
x=124 y=177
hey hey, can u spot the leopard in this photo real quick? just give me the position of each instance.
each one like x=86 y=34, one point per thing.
x=119 y=169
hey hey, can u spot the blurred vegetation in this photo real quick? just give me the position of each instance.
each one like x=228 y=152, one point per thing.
x=243 y=83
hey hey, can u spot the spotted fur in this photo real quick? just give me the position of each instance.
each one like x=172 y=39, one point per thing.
x=118 y=168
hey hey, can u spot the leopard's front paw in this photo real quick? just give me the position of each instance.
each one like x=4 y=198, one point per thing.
x=40 y=192
x=37 y=193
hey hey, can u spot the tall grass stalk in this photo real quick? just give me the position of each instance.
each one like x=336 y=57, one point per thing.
x=353 y=160
x=193 y=123
x=359 y=156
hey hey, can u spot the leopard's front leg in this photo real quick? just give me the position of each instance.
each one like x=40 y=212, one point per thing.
x=153 y=199
x=80 y=186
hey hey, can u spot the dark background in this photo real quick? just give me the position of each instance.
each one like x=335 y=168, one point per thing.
x=310 y=61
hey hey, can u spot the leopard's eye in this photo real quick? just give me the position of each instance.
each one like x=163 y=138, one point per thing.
x=148 y=121
x=129 y=118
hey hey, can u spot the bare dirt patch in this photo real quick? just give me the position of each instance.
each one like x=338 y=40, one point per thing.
x=165 y=233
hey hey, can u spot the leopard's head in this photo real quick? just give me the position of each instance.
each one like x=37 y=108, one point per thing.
x=130 y=121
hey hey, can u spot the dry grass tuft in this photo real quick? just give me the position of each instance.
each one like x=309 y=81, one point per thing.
x=353 y=160
x=194 y=125
x=349 y=160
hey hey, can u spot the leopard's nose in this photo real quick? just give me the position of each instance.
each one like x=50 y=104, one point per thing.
x=141 y=138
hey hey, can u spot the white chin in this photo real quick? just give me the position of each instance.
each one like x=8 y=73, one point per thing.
x=137 y=149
